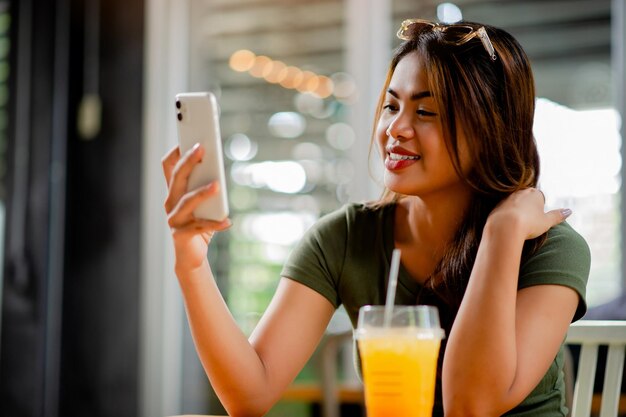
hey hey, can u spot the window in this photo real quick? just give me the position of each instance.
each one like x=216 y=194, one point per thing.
x=278 y=71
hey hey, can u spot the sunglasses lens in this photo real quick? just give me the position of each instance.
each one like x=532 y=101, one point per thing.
x=410 y=28
x=456 y=33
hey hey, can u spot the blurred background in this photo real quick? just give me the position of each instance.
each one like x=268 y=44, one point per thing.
x=92 y=323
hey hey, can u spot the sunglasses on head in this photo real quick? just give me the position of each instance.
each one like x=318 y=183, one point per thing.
x=454 y=34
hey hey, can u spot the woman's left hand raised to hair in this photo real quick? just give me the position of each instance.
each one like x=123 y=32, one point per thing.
x=523 y=211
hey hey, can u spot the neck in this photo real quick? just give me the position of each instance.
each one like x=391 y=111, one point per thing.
x=430 y=222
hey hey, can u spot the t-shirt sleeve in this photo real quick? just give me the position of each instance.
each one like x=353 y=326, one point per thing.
x=564 y=259
x=317 y=260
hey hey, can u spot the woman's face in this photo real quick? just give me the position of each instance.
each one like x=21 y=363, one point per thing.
x=410 y=136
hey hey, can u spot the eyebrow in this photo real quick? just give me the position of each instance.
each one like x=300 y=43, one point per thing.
x=415 y=96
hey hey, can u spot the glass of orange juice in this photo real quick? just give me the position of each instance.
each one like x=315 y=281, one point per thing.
x=399 y=359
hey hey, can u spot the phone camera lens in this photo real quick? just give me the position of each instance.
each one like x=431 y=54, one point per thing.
x=179 y=116
x=178 y=104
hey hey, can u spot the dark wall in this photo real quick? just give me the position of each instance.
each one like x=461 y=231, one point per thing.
x=101 y=308
x=94 y=348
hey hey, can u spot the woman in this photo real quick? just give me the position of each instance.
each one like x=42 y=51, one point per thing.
x=454 y=128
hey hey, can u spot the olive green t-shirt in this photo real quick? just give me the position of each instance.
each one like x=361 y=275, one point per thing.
x=346 y=255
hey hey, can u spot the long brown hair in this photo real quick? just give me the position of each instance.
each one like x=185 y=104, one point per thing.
x=493 y=102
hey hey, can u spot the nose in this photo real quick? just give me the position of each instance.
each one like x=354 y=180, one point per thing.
x=401 y=128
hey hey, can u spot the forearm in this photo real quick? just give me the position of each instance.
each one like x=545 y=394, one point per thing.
x=479 y=367
x=236 y=372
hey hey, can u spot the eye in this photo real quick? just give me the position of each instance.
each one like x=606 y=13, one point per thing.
x=425 y=113
x=390 y=107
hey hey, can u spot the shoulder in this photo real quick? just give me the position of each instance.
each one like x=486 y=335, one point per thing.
x=563 y=259
x=565 y=231
x=563 y=240
x=355 y=230
x=319 y=259
x=351 y=215
x=564 y=248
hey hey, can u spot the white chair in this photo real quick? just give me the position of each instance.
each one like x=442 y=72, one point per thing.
x=591 y=334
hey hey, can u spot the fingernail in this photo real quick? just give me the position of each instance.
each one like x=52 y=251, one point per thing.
x=566 y=213
x=195 y=147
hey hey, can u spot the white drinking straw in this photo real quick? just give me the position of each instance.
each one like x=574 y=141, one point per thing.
x=391 y=286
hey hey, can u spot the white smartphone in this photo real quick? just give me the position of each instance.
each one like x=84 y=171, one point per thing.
x=197 y=121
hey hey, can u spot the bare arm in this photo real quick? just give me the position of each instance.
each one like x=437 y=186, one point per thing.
x=248 y=376
x=510 y=336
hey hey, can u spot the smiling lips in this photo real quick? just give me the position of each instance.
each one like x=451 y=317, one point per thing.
x=399 y=158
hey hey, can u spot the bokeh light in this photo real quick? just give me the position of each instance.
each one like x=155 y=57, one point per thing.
x=287 y=125
x=308 y=82
x=307 y=150
x=340 y=136
x=308 y=103
x=240 y=147
x=242 y=60
x=282 y=228
x=260 y=66
x=344 y=86
x=275 y=73
x=324 y=87
x=449 y=13
x=280 y=176
x=291 y=77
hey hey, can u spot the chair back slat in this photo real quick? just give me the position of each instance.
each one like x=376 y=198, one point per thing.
x=612 y=380
x=601 y=332
x=591 y=334
x=583 y=389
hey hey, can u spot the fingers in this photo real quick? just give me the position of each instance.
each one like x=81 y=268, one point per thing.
x=554 y=216
x=559 y=214
x=180 y=174
x=182 y=214
x=528 y=205
x=169 y=162
x=198 y=226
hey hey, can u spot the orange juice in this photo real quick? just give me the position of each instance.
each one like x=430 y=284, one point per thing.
x=399 y=371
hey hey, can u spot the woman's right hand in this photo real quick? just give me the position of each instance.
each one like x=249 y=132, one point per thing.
x=191 y=235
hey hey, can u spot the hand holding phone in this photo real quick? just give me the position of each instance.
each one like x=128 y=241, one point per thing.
x=197 y=118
